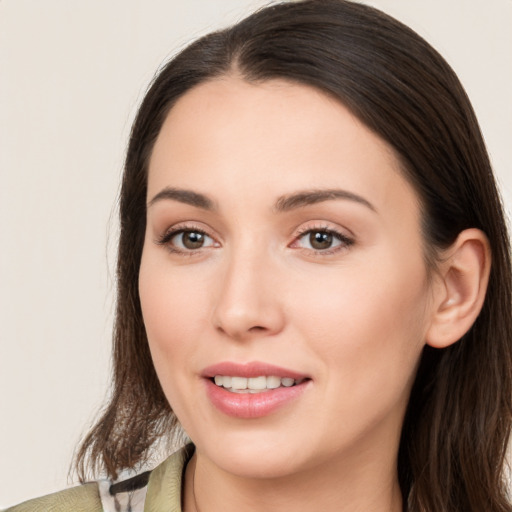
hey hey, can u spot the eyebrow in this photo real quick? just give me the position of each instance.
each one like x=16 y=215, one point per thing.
x=184 y=196
x=310 y=197
x=283 y=204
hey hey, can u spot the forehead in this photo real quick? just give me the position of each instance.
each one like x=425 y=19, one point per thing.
x=232 y=136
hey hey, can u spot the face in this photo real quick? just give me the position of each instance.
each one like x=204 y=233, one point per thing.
x=283 y=251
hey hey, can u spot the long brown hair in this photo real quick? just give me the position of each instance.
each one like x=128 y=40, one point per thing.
x=457 y=425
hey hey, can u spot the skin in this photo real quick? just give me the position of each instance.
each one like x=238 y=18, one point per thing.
x=353 y=317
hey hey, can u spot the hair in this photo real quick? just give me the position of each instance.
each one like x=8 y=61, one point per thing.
x=455 y=433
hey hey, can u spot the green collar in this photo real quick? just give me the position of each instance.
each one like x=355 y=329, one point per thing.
x=166 y=482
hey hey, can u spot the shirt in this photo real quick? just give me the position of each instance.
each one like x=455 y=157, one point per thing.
x=158 y=490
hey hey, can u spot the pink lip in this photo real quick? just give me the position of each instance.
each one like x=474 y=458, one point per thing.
x=252 y=405
x=252 y=369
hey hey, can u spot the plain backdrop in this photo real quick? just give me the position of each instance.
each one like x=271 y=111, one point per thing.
x=72 y=73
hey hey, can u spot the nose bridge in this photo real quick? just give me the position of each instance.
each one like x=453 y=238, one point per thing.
x=247 y=303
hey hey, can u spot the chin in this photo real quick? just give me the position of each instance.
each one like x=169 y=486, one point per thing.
x=256 y=464
x=250 y=455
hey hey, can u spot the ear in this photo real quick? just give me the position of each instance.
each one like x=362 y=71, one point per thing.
x=461 y=285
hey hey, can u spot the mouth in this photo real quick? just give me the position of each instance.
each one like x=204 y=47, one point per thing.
x=253 y=390
x=260 y=384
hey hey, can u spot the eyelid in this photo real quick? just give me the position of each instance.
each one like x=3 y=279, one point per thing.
x=346 y=239
x=343 y=235
x=165 y=238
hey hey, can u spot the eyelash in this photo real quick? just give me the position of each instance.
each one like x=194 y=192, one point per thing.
x=344 y=240
x=165 y=239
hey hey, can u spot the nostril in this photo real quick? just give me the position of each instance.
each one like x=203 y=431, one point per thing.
x=257 y=328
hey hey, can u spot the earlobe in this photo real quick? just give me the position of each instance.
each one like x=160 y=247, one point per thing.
x=463 y=276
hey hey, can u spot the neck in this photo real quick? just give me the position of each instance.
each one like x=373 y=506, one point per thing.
x=329 y=487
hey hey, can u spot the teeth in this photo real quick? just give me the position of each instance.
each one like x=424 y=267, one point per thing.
x=238 y=382
x=273 y=382
x=287 y=382
x=252 y=384
x=257 y=383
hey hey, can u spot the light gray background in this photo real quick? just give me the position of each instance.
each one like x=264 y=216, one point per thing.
x=71 y=75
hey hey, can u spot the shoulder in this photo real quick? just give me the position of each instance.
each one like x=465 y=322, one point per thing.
x=157 y=490
x=165 y=483
x=81 y=498
x=160 y=489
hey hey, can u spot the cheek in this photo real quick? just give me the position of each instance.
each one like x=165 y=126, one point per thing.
x=354 y=301
x=171 y=297
x=367 y=325
x=173 y=311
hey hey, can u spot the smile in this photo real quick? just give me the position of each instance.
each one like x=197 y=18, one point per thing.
x=254 y=384
x=254 y=389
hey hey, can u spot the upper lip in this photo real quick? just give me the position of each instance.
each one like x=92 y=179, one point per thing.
x=251 y=369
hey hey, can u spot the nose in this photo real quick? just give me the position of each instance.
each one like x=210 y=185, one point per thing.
x=248 y=303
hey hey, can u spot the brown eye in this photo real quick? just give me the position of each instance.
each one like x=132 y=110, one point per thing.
x=190 y=240
x=320 y=240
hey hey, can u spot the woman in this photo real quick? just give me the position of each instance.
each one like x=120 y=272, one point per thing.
x=313 y=279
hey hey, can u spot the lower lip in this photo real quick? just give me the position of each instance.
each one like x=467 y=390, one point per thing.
x=252 y=405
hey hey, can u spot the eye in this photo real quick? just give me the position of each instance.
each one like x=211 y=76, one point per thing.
x=191 y=240
x=322 y=240
x=186 y=240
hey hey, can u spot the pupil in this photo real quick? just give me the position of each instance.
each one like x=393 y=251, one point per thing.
x=320 y=240
x=192 y=240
